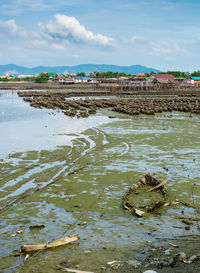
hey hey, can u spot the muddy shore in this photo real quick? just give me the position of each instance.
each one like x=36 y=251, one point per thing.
x=54 y=187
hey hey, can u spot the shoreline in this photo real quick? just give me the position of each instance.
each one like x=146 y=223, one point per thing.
x=101 y=89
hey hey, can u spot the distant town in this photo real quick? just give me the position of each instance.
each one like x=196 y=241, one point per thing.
x=161 y=79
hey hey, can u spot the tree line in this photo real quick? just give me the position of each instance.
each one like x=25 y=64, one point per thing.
x=44 y=77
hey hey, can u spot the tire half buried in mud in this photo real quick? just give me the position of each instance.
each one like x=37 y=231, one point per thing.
x=148 y=185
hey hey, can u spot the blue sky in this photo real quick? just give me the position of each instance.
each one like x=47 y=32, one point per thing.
x=163 y=34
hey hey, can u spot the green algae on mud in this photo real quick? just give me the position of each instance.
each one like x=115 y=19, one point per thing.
x=87 y=181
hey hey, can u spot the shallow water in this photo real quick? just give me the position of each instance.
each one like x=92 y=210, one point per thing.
x=60 y=171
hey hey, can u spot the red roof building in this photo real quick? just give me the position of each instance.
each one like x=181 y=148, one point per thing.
x=162 y=76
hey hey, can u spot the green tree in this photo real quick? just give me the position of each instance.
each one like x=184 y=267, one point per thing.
x=81 y=74
x=42 y=78
x=195 y=74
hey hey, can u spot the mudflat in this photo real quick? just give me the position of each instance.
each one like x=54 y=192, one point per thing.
x=70 y=175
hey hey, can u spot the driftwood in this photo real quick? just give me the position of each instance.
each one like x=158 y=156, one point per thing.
x=59 y=242
x=147 y=180
x=139 y=212
x=158 y=186
x=74 y=270
x=37 y=226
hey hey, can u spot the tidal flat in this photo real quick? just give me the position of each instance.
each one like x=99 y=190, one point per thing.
x=71 y=175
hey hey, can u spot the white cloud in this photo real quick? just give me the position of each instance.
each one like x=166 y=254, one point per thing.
x=10 y=28
x=166 y=48
x=157 y=48
x=38 y=43
x=138 y=39
x=160 y=48
x=58 y=47
x=17 y=7
x=69 y=29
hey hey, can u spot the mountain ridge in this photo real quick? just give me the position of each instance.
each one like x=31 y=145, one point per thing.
x=87 y=68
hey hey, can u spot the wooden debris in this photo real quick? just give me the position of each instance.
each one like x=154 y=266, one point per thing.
x=173 y=245
x=147 y=180
x=183 y=258
x=37 y=226
x=17 y=232
x=192 y=259
x=139 y=212
x=158 y=186
x=174 y=203
x=16 y=252
x=82 y=223
x=113 y=262
x=74 y=270
x=26 y=257
x=59 y=242
x=166 y=204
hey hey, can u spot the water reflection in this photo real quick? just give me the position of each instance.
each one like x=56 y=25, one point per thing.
x=24 y=128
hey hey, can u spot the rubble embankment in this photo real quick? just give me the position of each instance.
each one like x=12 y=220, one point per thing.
x=131 y=106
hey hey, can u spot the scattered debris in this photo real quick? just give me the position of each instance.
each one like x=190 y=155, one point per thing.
x=26 y=257
x=37 y=226
x=17 y=232
x=59 y=242
x=173 y=245
x=181 y=256
x=82 y=223
x=16 y=253
x=74 y=270
x=158 y=186
x=87 y=251
x=173 y=203
x=134 y=263
x=165 y=168
x=150 y=271
x=167 y=251
x=139 y=212
x=192 y=259
x=115 y=264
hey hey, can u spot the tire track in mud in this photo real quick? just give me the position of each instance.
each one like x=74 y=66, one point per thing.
x=57 y=176
x=29 y=173
x=87 y=144
x=126 y=150
x=25 y=179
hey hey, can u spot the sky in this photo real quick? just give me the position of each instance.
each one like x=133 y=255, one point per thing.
x=163 y=34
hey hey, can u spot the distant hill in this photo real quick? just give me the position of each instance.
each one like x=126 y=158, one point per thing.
x=87 y=68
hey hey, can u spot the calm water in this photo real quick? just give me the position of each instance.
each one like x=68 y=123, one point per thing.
x=61 y=171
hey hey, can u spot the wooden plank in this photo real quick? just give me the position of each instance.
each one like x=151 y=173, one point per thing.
x=59 y=242
x=158 y=186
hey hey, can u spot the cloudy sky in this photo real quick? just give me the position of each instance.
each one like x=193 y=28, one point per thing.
x=163 y=34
